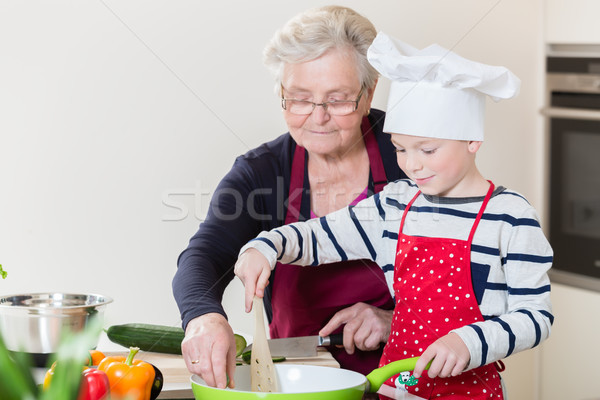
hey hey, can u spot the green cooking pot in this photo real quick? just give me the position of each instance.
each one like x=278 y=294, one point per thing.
x=305 y=382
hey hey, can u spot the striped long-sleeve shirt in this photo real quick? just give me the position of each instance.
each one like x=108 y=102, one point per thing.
x=510 y=256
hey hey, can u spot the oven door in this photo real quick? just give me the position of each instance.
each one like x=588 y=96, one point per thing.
x=575 y=196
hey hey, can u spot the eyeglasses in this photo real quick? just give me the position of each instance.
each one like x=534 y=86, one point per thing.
x=333 y=107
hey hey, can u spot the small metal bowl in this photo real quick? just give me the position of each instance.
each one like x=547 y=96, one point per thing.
x=35 y=322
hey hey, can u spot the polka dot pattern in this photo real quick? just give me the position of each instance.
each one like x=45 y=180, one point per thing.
x=434 y=295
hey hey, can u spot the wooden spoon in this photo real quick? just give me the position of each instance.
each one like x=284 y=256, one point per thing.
x=263 y=377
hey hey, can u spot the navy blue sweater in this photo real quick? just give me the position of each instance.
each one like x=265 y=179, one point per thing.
x=251 y=198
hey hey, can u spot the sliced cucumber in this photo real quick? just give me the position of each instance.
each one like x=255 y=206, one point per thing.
x=247 y=356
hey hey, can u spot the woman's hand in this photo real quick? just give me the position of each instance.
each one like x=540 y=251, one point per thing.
x=366 y=326
x=209 y=349
x=254 y=270
x=450 y=357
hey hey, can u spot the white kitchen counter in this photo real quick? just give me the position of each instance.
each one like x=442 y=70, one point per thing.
x=177 y=384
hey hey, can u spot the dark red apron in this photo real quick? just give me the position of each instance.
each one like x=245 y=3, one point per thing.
x=304 y=299
x=434 y=294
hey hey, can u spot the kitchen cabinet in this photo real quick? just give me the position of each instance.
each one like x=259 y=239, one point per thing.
x=572 y=21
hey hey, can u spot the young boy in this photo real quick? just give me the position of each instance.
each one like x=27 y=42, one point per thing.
x=467 y=261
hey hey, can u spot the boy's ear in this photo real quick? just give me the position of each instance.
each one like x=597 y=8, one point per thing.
x=474 y=145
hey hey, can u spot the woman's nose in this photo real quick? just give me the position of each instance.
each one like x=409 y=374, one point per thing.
x=320 y=114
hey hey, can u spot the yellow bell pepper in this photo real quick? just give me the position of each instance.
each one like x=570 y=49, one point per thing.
x=48 y=376
x=129 y=378
x=94 y=384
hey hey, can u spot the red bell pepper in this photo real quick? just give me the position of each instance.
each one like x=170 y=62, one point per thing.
x=94 y=385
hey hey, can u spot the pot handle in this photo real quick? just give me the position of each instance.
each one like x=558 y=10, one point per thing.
x=378 y=376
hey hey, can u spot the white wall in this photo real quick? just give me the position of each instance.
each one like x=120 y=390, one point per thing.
x=118 y=118
x=572 y=21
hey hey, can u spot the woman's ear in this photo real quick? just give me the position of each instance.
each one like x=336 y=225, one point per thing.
x=370 y=92
x=473 y=146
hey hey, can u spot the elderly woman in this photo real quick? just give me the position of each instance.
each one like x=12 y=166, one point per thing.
x=335 y=154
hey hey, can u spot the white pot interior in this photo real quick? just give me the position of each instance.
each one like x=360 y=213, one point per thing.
x=300 y=378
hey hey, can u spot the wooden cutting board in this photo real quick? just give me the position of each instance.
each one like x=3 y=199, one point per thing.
x=177 y=377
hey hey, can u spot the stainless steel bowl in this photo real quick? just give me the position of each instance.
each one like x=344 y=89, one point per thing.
x=34 y=322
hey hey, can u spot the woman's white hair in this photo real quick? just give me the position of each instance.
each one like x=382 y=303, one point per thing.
x=312 y=33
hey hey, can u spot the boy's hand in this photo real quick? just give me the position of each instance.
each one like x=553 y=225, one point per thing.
x=450 y=357
x=254 y=270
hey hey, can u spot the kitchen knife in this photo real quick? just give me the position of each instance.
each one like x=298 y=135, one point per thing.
x=301 y=346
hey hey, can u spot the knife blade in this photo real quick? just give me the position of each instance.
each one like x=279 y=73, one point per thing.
x=300 y=346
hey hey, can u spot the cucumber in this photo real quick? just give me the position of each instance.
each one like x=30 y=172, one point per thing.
x=240 y=344
x=156 y=338
x=247 y=355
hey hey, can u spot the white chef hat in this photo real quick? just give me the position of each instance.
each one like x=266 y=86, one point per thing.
x=435 y=92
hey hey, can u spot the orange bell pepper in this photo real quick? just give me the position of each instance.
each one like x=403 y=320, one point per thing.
x=94 y=358
x=129 y=378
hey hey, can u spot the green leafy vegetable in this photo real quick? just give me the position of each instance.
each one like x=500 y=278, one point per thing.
x=3 y=273
x=17 y=382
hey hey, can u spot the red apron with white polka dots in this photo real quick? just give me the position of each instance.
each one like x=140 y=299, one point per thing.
x=434 y=294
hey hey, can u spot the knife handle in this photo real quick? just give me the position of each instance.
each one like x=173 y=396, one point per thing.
x=332 y=340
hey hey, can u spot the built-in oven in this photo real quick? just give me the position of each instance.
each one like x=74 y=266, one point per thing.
x=573 y=122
